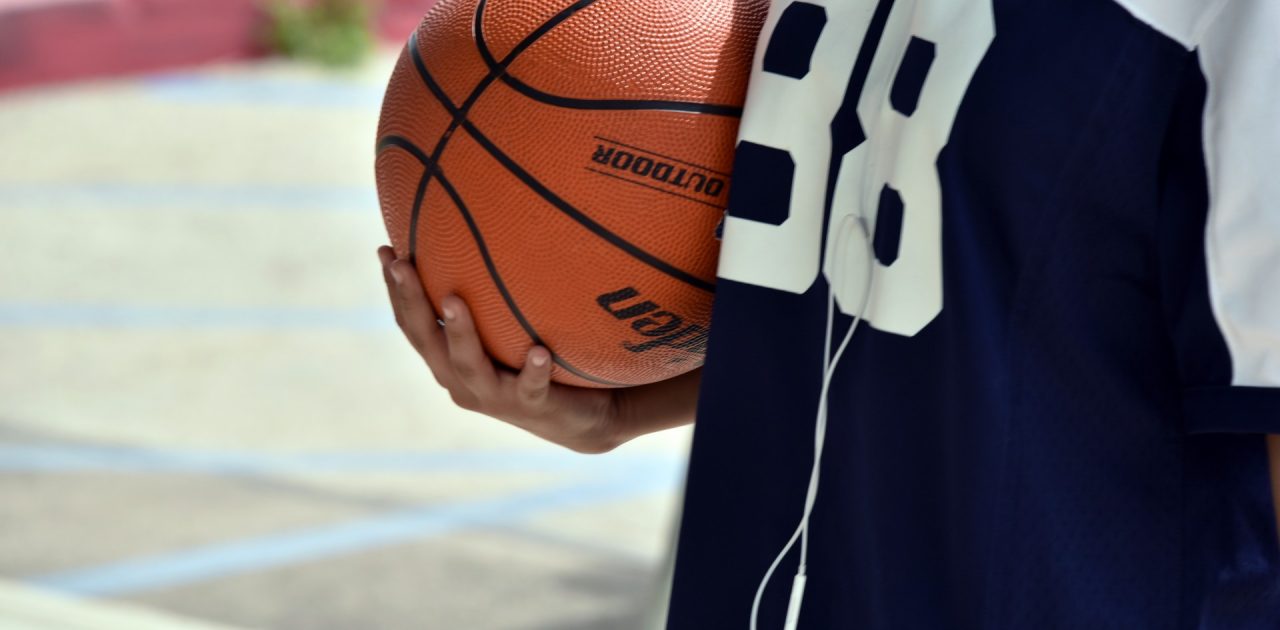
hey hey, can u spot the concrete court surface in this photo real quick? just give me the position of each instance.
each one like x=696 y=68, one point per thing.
x=206 y=409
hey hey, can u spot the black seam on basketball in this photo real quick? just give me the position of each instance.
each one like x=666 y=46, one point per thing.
x=585 y=221
x=402 y=142
x=416 y=211
x=500 y=69
x=408 y=146
x=502 y=287
x=529 y=39
x=656 y=154
x=608 y=104
x=651 y=187
x=420 y=193
x=562 y=205
x=460 y=113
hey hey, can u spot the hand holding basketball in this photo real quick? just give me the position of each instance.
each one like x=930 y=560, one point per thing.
x=581 y=419
x=563 y=166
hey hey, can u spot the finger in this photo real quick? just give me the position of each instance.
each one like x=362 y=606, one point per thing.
x=386 y=256
x=471 y=365
x=534 y=381
x=416 y=317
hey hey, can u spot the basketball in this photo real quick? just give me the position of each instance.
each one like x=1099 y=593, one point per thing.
x=563 y=167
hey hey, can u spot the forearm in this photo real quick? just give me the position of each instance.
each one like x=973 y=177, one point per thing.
x=663 y=405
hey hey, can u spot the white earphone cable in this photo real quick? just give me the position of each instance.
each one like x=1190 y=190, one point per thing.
x=829 y=363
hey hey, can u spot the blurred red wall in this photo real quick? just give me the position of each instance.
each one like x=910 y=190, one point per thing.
x=44 y=41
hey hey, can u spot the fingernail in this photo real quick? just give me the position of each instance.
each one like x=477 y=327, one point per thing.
x=396 y=274
x=448 y=311
x=538 y=357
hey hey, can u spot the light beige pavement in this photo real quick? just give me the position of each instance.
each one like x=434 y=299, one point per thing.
x=205 y=408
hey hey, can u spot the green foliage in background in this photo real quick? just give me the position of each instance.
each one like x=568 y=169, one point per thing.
x=332 y=32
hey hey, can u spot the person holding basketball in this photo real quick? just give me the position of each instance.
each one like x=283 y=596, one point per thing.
x=1018 y=311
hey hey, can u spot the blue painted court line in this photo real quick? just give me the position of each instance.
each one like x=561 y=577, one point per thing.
x=206 y=89
x=61 y=458
x=195 y=196
x=57 y=316
x=307 y=545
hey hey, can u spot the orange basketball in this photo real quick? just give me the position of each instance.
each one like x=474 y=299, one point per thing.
x=563 y=167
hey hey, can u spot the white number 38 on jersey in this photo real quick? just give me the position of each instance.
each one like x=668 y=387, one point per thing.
x=903 y=67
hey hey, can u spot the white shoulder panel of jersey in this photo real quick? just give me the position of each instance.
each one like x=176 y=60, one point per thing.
x=1238 y=42
x=1182 y=20
x=1240 y=57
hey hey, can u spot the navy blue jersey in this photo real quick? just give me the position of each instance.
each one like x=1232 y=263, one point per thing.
x=1059 y=221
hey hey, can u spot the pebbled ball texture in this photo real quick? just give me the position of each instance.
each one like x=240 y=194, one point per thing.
x=563 y=167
